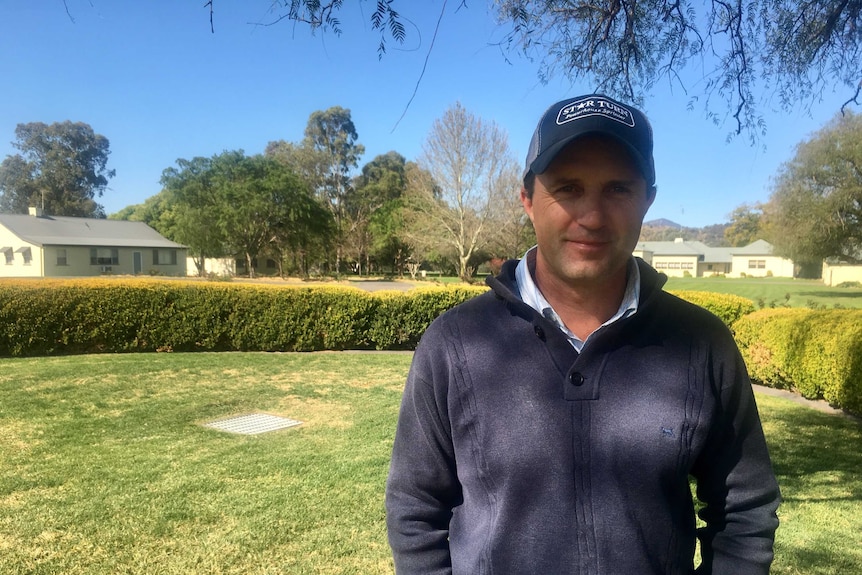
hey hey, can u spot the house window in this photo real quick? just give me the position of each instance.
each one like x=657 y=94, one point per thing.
x=61 y=257
x=26 y=254
x=9 y=255
x=164 y=257
x=756 y=264
x=104 y=256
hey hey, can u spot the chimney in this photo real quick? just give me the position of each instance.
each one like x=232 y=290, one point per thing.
x=35 y=212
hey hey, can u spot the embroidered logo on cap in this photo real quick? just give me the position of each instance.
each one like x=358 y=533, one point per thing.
x=595 y=107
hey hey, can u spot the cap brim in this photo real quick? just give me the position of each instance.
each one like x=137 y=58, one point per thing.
x=540 y=164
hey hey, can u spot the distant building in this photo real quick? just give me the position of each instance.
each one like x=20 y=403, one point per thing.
x=837 y=273
x=679 y=258
x=223 y=267
x=54 y=246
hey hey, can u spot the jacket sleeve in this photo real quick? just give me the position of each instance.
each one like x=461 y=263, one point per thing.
x=422 y=487
x=735 y=480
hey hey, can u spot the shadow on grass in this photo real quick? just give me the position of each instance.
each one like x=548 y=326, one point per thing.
x=807 y=443
x=817 y=458
x=831 y=294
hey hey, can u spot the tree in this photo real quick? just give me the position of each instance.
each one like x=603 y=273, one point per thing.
x=62 y=167
x=332 y=135
x=794 y=49
x=323 y=16
x=468 y=175
x=745 y=225
x=191 y=203
x=302 y=159
x=260 y=204
x=158 y=212
x=815 y=210
x=301 y=226
x=324 y=159
x=373 y=209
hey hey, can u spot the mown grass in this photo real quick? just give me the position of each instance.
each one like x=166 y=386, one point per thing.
x=775 y=292
x=105 y=467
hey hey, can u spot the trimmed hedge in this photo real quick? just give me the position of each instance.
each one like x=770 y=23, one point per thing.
x=108 y=316
x=727 y=307
x=817 y=353
x=49 y=317
x=402 y=317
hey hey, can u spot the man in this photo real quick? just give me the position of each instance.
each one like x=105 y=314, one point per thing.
x=552 y=424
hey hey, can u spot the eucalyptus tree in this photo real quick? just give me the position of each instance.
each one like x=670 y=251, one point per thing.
x=62 y=168
x=325 y=159
x=332 y=136
x=375 y=225
x=815 y=209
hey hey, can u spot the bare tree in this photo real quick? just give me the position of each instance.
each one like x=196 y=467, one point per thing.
x=467 y=173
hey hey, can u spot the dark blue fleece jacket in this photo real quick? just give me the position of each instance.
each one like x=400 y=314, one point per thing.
x=516 y=455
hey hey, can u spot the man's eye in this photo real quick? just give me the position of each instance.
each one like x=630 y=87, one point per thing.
x=620 y=190
x=567 y=190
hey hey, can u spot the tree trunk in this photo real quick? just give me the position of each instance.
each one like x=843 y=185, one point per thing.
x=248 y=263
x=463 y=270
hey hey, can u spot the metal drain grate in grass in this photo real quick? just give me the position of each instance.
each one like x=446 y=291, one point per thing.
x=252 y=424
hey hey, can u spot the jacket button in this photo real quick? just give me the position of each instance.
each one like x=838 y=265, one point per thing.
x=540 y=333
x=576 y=379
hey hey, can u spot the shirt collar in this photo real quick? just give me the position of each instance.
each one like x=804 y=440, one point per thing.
x=531 y=295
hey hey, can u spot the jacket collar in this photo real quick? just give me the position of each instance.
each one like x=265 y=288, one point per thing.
x=505 y=286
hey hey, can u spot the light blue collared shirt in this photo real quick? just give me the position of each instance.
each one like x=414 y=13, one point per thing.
x=532 y=296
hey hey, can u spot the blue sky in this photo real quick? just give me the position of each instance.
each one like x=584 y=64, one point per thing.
x=153 y=79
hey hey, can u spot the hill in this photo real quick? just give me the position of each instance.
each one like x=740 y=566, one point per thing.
x=666 y=230
x=662 y=223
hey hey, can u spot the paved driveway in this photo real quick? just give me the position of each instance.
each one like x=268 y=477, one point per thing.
x=373 y=285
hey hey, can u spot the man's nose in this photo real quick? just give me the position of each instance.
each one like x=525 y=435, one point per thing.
x=592 y=211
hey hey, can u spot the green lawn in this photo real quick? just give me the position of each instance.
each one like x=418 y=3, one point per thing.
x=105 y=467
x=774 y=292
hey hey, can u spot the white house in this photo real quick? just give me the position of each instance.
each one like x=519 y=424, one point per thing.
x=756 y=260
x=678 y=257
x=225 y=267
x=836 y=273
x=53 y=246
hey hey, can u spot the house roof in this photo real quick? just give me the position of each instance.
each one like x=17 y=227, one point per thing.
x=671 y=248
x=67 y=231
x=705 y=253
x=756 y=248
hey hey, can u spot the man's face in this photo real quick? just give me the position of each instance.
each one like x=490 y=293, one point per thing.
x=587 y=209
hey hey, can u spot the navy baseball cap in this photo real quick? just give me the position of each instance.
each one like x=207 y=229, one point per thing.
x=570 y=119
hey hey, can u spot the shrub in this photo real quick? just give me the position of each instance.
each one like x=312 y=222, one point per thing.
x=727 y=307
x=117 y=315
x=108 y=316
x=401 y=318
x=815 y=352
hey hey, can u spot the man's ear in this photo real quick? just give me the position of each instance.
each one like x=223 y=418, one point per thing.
x=527 y=202
x=650 y=196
